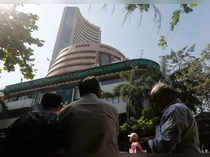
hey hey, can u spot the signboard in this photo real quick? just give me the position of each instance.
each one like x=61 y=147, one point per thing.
x=145 y=63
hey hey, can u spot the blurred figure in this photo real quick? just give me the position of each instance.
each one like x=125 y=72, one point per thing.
x=2 y=103
x=51 y=103
x=135 y=146
x=177 y=131
x=90 y=125
x=35 y=133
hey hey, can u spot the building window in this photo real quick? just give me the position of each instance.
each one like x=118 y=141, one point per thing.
x=104 y=59
x=83 y=45
x=116 y=100
x=114 y=59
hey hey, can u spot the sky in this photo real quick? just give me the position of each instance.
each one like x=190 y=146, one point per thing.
x=135 y=38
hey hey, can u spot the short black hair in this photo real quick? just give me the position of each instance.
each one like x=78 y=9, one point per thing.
x=51 y=100
x=89 y=85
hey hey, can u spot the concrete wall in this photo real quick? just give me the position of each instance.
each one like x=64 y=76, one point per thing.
x=19 y=104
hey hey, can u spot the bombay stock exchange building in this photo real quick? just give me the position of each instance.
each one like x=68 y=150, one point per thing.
x=78 y=47
x=74 y=28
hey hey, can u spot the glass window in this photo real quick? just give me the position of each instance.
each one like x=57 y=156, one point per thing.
x=66 y=95
x=114 y=59
x=116 y=100
x=104 y=59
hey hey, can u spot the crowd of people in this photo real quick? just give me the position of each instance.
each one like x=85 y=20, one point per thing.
x=89 y=127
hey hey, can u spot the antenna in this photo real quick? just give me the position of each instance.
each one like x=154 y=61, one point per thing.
x=141 y=53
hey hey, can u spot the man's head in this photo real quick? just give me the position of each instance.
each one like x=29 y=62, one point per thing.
x=162 y=95
x=133 y=137
x=51 y=101
x=90 y=85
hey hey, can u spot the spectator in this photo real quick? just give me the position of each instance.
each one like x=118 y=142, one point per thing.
x=177 y=131
x=90 y=124
x=51 y=103
x=135 y=146
x=3 y=105
x=35 y=133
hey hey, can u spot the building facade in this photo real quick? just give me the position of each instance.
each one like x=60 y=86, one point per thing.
x=74 y=28
x=83 y=56
x=30 y=93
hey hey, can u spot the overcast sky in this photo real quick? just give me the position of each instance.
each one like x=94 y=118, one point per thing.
x=133 y=39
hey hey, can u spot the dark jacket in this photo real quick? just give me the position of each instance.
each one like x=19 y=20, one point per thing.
x=177 y=132
x=33 y=134
x=91 y=128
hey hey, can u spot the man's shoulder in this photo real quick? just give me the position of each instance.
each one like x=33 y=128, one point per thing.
x=43 y=117
x=33 y=122
x=177 y=111
x=110 y=106
x=176 y=107
x=94 y=100
x=87 y=104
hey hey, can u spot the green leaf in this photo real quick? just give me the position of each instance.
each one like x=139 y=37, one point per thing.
x=17 y=31
x=192 y=5
x=143 y=7
x=5 y=68
x=130 y=7
x=175 y=19
x=162 y=43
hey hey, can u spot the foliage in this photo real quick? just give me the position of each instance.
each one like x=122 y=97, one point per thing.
x=135 y=89
x=141 y=7
x=16 y=39
x=190 y=75
x=162 y=42
x=130 y=7
x=143 y=126
x=178 y=60
x=184 y=8
x=203 y=120
x=175 y=18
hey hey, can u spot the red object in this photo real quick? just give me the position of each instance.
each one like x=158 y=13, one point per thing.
x=136 y=148
x=58 y=110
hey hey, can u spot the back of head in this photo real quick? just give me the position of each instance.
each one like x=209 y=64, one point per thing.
x=134 y=137
x=164 y=92
x=51 y=100
x=89 y=85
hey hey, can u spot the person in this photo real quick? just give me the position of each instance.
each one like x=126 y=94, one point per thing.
x=3 y=105
x=90 y=124
x=51 y=103
x=35 y=133
x=177 y=131
x=135 y=145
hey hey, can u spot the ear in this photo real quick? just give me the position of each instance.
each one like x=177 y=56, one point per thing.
x=100 y=94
